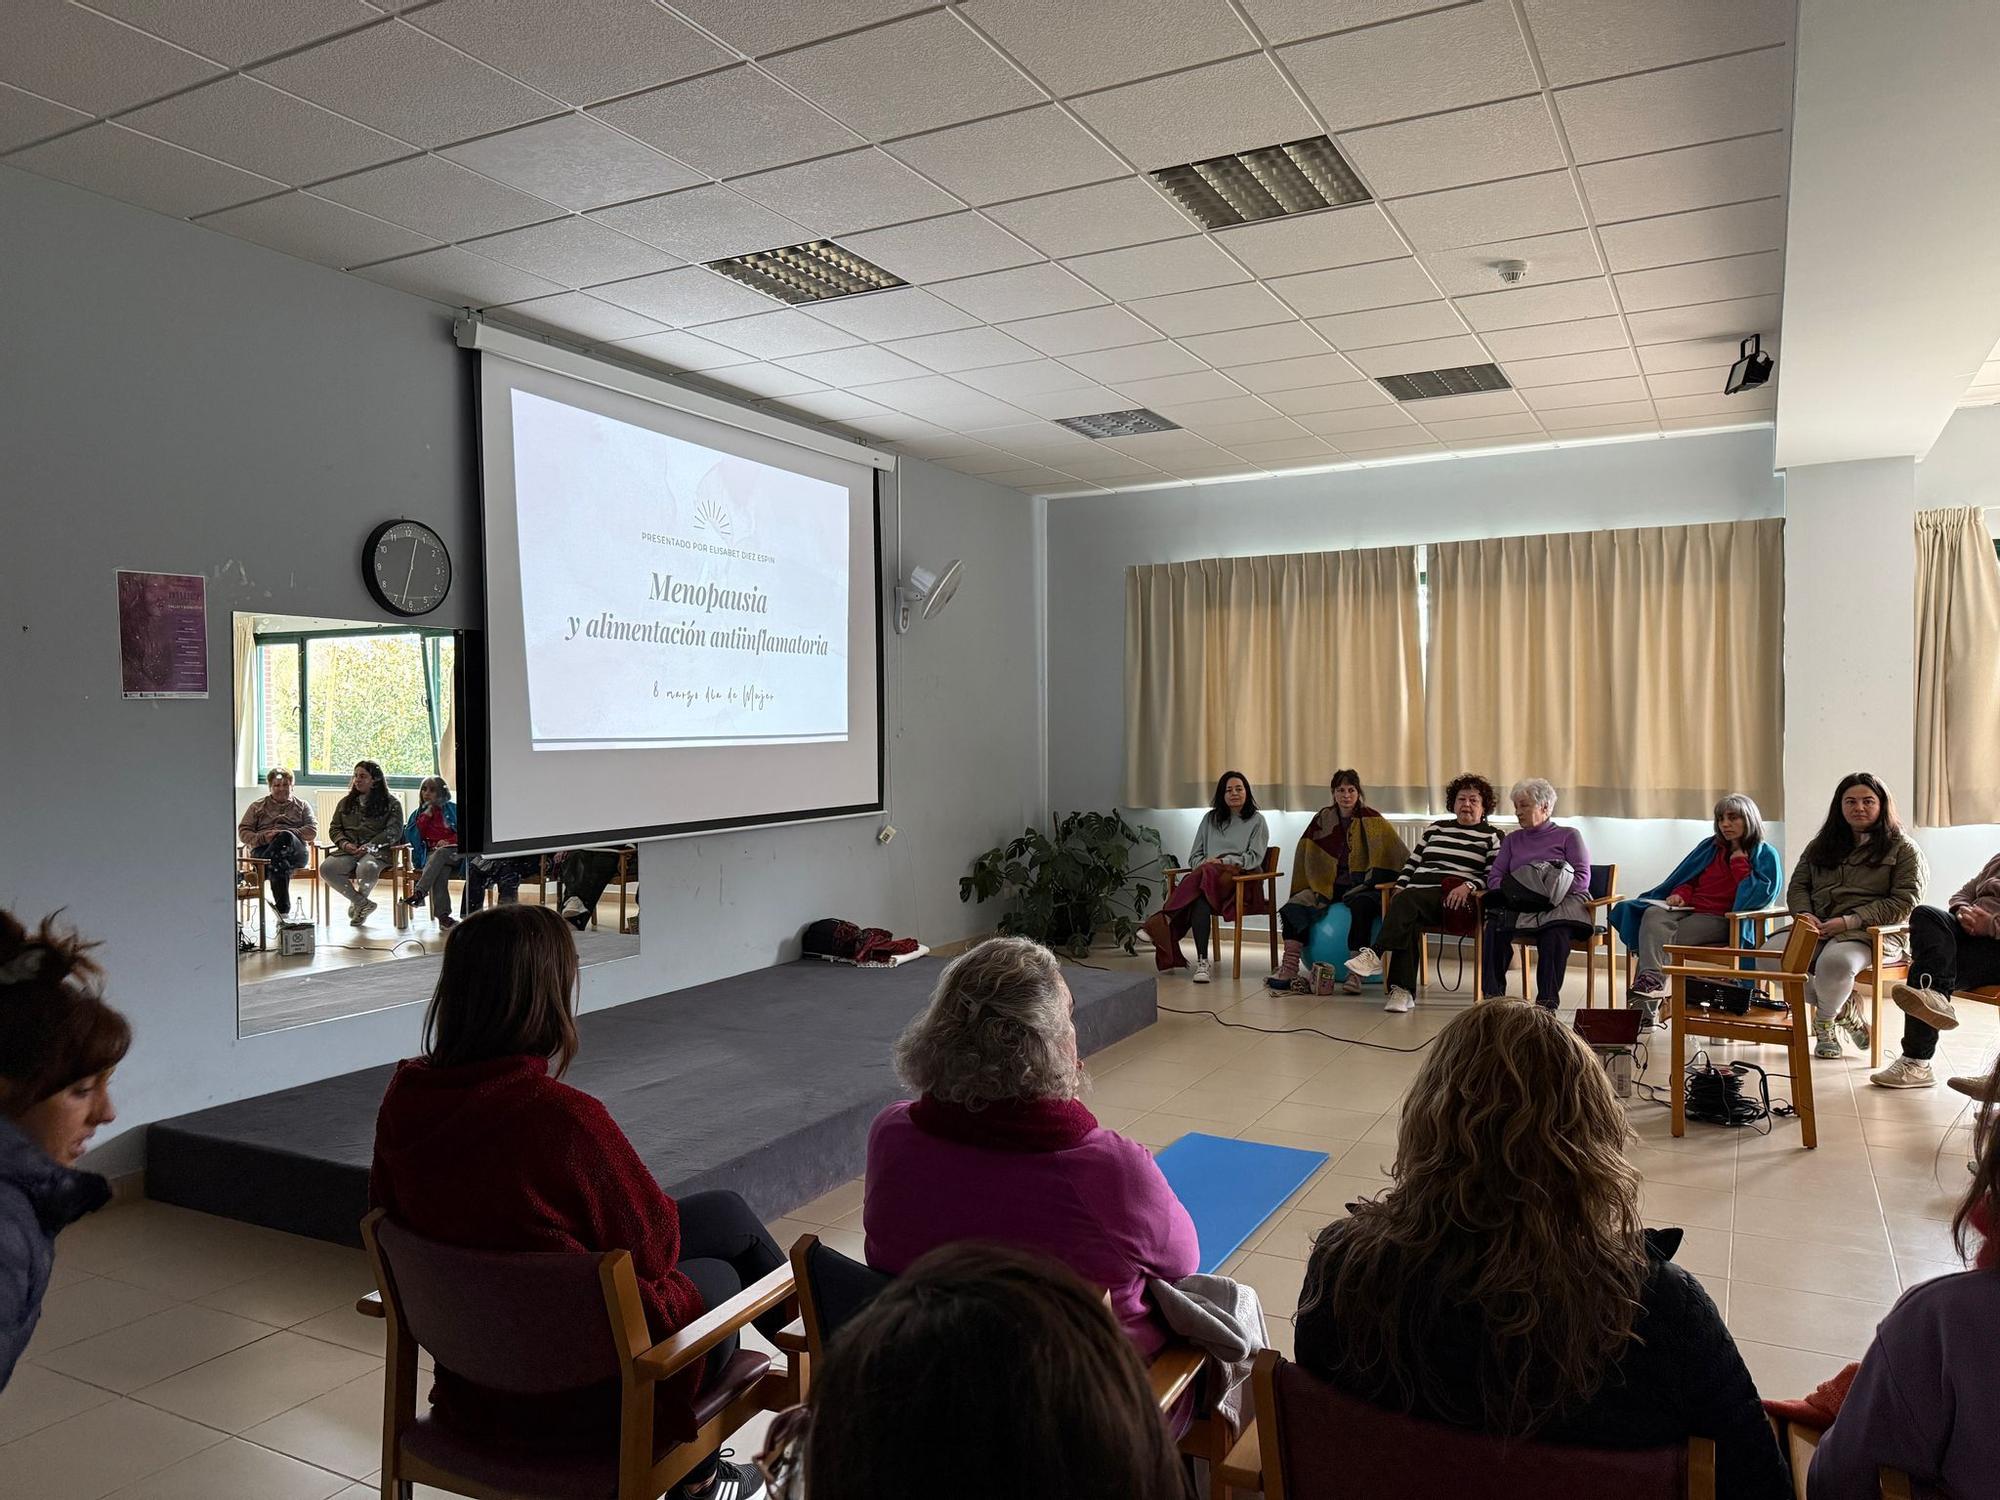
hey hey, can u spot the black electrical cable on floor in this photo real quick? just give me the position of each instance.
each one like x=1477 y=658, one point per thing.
x=1293 y=1030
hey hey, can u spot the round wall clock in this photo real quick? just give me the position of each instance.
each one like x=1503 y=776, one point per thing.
x=407 y=566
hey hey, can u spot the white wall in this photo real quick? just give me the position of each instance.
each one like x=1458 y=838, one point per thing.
x=174 y=399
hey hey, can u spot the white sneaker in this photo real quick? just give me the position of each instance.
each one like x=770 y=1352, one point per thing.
x=572 y=907
x=1904 y=1073
x=1350 y=985
x=1400 y=1002
x=1364 y=961
x=1201 y=971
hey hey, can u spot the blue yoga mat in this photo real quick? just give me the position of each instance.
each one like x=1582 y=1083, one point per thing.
x=1231 y=1187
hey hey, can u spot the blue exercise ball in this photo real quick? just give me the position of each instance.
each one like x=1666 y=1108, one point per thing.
x=1327 y=943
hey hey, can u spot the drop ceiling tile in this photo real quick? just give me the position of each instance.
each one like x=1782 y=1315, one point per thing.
x=1584 y=39
x=1178 y=265
x=1701 y=281
x=1454 y=429
x=239 y=32
x=573 y=252
x=1065 y=44
x=1683 y=106
x=1011 y=156
x=1425 y=354
x=922 y=73
x=579 y=317
x=1748 y=405
x=836 y=406
x=1694 y=177
x=1450 y=59
x=729 y=122
x=1294 y=373
x=1466 y=146
x=1033 y=377
x=1044 y=442
x=902 y=313
x=1213 y=310
x=1137 y=362
x=704 y=223
x=842 y=194
x=1578 y=437
x=437 y=198
x=26 y=117
x=1288 y=20
x=1103 y=216
x=1239 y=469
x=1362 y=419
x=251 y=125
x=1390 y=325
x=1024 y=292
x=1317 y=398
x=1702 y=234
x=684 y=351
x=757 y=27
x=1029 y=480
x=686 y=295
x=1491 y=212
x=1208 y=111
x=1108 y=464
x=863 y=365
x=580 y=51
x=1618 y=413
x=410 y=85
x=1343 y=236
x=1082 y=401
x=1226 y=411
x=313 y=229
x=938 y=398
x=1585 y=393
x=1702 y=382
x=769 y=381
x=1302 y=450
x=1166 y=448
x=1378 y=452
x=1699 y=354
x=965 y=349
x=1735 y=319
x=1525 y=306
x=1562 y=369
x=1550 y=257
x=1585 y=336
x=1260 y=430
x=778 y=335
x=575 y=162
x=1077 y=332
x=458 y=278
x=1256 y=344
x=89 y=62
x=991 y=461
x=1382 y=283
x=1170 y=390
x=933 y=249
x=1473 y=404
x=135 y=168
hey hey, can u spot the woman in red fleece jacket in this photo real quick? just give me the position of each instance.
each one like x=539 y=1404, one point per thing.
x=477 y=1144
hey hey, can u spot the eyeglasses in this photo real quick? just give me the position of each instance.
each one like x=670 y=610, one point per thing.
x=783 y=1460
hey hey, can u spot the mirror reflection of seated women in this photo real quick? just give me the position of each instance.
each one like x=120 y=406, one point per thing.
x=366 y=824
x=432 y=834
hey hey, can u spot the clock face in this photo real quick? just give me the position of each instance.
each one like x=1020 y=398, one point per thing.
x=408 y=567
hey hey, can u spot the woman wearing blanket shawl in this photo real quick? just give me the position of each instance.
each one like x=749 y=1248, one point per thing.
x=1347 y=850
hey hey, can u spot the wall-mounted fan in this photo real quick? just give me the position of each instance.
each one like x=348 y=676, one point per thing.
x=925 y=594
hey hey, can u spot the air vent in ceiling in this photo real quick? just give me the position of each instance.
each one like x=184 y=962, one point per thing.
x=1295 y=178
x=1462 y=381
x=1110 y=424
x=817 y=271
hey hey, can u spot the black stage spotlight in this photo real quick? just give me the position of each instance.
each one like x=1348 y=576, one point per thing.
x=1752 y=367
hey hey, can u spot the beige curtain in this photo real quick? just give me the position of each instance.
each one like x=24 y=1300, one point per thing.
x=1958 y=670
x=243 y=647
x=1641 y=671
x=1283 y=668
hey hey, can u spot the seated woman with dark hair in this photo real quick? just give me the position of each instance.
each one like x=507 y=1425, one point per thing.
x=998 y=1146
x=1503 y=1281
x=982 y=1373
x=1346 y=850
x=366 y=824
x=59 y=1042
x=1231 y=839
x=478 y=1145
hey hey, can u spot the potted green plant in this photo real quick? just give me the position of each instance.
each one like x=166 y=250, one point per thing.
x=1095 y=873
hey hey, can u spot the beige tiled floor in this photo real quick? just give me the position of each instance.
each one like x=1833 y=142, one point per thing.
x=187 y=1358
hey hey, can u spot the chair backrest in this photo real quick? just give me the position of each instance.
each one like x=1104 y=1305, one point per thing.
x=1603 y=880
x=832 y=1289
x=1330 y=1446
x=528 y=1323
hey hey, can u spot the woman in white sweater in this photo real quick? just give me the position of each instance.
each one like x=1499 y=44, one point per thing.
x=1232 y=838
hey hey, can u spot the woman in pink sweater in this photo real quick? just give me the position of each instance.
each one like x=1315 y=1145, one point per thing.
x=998 y=1147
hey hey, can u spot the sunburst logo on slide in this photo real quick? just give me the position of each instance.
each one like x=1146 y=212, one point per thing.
x=712 y=517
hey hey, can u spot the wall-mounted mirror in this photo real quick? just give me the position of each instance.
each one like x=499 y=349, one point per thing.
x=350 y=866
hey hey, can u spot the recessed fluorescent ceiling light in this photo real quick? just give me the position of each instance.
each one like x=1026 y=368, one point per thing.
x=1460 y=381
x=1111 y=424
x=817 y=271
x=1296 y=178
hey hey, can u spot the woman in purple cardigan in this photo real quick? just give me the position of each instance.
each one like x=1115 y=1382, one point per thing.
x=1527 y=857
x=998 y=1147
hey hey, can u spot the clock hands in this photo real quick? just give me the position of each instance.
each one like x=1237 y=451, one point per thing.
x=410 y=576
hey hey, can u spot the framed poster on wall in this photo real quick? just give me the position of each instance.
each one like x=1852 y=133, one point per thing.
x=163 y=634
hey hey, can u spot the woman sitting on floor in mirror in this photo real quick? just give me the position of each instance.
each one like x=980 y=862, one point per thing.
x=1231 y=840
x=1346 y=851
x=366 y=824
x=432 y=834
x=1503 y=1281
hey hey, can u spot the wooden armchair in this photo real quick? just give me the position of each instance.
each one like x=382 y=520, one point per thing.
x=1256 y=895
x=1790 y=1028
x=250 y=871
x=1801 y=1442
x=1603 y=896
x=1881 y=971
x=1388 y=891
x=532 y=1323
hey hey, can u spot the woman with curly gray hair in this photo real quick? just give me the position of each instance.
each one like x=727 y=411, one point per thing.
x=998 y=1146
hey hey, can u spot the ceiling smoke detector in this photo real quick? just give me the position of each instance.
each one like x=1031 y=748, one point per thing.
x=816 y=271
x=1511 y=271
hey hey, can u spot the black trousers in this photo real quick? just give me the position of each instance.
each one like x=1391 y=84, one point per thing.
x=1552 y=948
x=506 y=874
x=286 y=852
x=585 y=874
x=1296 y=919
x=1944 y=957
x=1201 y=917
x=724 y=1248
x=1414 y=909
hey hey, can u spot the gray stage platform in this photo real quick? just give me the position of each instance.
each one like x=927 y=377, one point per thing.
x=764 y=1083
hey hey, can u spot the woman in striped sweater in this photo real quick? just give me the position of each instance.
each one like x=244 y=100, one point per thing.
x=1435 y=889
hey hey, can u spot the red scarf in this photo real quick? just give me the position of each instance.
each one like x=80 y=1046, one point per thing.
x=1026 y=1125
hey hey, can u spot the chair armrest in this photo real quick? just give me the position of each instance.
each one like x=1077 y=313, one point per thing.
x=1762 y=911
x=1244 y=1468
x=1611 y=900
x=682 y=1348
x=792 y=1337
x=1712 y=971
x=1253 y=877
x=1888 y=929
x=1172 y=1371
x=1697 y=950
x=370 y=1306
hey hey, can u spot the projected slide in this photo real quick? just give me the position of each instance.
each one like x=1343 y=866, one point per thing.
x=673 y=595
